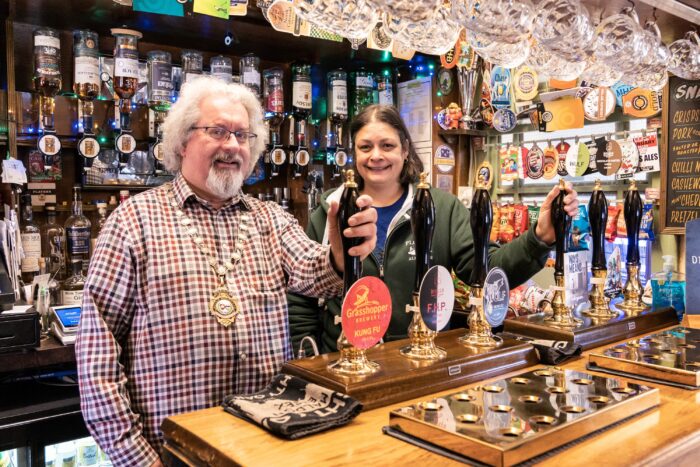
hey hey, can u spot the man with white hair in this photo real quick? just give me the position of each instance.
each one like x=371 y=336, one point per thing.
x=185 y=300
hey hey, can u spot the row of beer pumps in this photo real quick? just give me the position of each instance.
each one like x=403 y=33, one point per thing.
x=433 y=295
x=289 y=130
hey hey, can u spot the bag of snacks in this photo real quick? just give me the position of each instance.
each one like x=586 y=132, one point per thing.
x=647 y=228
x=580 y=228
x=520 y=219
x=533 y=212
x=506 y=231
x=495 y=227
x=611 y=227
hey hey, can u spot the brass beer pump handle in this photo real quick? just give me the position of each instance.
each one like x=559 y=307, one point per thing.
x=481 y=221
x=633 y=220
x=423 y=227
x=598 y=219
x=561 y=221
x=348 y=207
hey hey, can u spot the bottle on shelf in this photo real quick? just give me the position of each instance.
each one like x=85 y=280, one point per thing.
x=53 y=243
x=72 y=290
x=363 y=93
x=273 y=97
x=30 y=236
x=86 y=85
x=126 y=81
x=78 y=231
x=301 y=107
x=250 y=72
x=192 y=65
x=221 y=67
x=160 y=94
x=47 y=82
x=101 y=221
x=338 y=115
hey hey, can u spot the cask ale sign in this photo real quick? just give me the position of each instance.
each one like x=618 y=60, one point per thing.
x=680 y=168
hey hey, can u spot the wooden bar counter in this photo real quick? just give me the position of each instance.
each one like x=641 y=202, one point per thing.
x=667 y=435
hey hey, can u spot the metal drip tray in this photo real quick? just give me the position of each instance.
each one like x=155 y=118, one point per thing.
x=511 y=420
x=671 y=356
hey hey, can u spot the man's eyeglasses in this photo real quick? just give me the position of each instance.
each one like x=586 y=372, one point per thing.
x=222 y=134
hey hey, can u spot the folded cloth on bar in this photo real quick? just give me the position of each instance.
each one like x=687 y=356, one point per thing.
x=291 y=407
x=555 y=352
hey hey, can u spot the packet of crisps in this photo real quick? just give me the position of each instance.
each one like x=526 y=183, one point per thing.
x=613 y=282
x=533 y=212
x=646 y=230
x=506 y=231
x=611 y=227
x=621 y=225
x=495 y=227
x=520 y=219
x=580 y=228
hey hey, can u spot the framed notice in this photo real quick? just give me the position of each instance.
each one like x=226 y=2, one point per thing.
x=680 y=155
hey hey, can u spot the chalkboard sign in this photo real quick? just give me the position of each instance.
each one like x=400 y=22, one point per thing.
x=680 y=167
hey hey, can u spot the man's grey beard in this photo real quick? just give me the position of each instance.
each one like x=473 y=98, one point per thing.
x=224 y=183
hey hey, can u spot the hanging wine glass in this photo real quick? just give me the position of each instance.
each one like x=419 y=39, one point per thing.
x=504 y=21
x=685 y=56
x=564 y=27
x=618 y=38
x=352 y=19
x=434 y=36
x=506 y=55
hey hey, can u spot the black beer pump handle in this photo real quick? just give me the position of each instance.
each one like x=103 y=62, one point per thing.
x=633 y=221
x=348 y=207
x=481 y=221
x=562 y=224
x=598 y=219
x=423 y=226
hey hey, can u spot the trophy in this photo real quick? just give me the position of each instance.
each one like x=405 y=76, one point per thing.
x=126 y=80
x=353 y=361
x=47 y=82
x=467 y=77
x=632 y=303
x=301 y=105
x=562 y=315
x=598 y=219
x=86 y=84
x=338 y=115
x=273 y=96
x=160 y=95
x=422 y=338
x=481 y=221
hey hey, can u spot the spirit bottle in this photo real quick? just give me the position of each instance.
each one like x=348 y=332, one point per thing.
x=363 y=82
x=78 y=231
x=31 y=242
x=192 y=65
x=47 y=82
x=101 y=221
x=250 y=74
x=126 y=80
x=222 y=68
x=86 y=84
x=53 y=244
x=72 y=291
x=338 y=115
x=301 y=106
x=160 y=93
x=273 y=96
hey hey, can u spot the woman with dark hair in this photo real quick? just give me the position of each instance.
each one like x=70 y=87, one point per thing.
x=387 y=167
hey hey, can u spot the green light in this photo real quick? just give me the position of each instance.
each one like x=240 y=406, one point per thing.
x=386 y=56
x=431 y=66
x=103 y=139
x=386 y=72
x=439 y=94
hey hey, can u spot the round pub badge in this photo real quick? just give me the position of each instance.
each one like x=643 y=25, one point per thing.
x=88 y=147
x=366 y=312
x=49 y=144
x=437 y=297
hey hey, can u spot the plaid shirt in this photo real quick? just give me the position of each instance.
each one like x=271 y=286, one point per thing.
x=148 y=346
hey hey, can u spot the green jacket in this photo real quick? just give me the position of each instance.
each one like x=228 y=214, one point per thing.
x=452 y=248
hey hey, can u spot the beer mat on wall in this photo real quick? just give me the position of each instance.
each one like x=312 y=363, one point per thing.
x=291 y=407
x=396 y=432
x=593 y=367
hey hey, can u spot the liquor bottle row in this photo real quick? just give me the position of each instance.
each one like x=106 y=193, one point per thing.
x=124 y=77
x=59 y=253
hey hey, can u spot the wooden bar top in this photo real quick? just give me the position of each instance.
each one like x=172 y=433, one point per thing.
x=667 y=435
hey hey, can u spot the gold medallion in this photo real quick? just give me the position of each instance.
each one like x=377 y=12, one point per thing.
x=225 y=307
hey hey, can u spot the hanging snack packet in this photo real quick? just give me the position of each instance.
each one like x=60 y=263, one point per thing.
x=611 y=227
x=580 y=228
x=647 y=228
x=613 y=283
x=495 y=227
x=533 y=212
x=621 y=226
x=520 y=219
x=506 y=232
